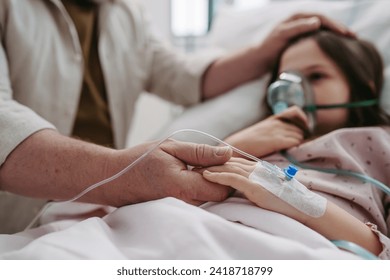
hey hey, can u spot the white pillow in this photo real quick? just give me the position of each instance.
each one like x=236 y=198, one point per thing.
x=236 y=29
x=222 y=115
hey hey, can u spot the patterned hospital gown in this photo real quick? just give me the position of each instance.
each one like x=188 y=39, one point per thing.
x=362 y=150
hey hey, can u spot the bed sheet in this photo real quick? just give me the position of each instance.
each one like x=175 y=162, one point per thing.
x=171 y=229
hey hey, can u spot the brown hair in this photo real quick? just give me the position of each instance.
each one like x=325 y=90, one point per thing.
x=362 y=66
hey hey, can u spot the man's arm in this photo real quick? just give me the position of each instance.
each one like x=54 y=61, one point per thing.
x=49 y=165
x=253 y=62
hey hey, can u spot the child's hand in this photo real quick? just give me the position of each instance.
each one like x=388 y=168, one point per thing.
x=235 y=174
x=275 y=133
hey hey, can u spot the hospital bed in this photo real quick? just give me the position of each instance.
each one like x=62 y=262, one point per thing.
x=236 y=229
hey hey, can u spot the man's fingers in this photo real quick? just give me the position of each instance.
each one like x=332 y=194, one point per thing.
x=201 y=190
x=335 y=26
x=294 y=28
x=198 y=154
x=321 y=21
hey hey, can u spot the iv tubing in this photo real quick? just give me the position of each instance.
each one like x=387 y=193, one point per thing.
x=131 y=165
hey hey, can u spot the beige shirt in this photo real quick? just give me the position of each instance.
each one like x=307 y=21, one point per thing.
x=42 y=65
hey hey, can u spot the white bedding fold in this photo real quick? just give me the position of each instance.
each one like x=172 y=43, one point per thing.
x=171 y=229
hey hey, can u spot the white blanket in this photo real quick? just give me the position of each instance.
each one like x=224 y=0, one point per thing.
x=171 y=229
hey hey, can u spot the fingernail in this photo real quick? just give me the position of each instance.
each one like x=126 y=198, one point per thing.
x=314 y=21
x=222 y=151
x=206 y=172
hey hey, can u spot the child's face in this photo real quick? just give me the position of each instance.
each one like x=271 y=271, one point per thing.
x=328 y=82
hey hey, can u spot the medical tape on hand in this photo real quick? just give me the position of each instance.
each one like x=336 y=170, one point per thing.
x=273 y=179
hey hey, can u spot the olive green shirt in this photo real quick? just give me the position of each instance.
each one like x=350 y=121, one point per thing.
x=92 y=121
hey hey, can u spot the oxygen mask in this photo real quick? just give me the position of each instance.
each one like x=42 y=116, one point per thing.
x=292 y=88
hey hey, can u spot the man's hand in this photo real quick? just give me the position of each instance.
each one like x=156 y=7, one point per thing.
x=253 y=62
x=52 y=166
x=294 y=26
x=164 y=172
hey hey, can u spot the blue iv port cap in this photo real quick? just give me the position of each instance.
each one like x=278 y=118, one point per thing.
x=290 y=171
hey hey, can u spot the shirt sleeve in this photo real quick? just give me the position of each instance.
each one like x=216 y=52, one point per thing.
x=172 y=74
x=17 y=122
x=387 y=210
x=383 y=239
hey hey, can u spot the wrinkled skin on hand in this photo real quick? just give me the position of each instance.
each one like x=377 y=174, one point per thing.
x=165 y=173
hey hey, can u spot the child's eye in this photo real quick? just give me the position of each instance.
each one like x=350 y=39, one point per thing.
x=315 y=76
